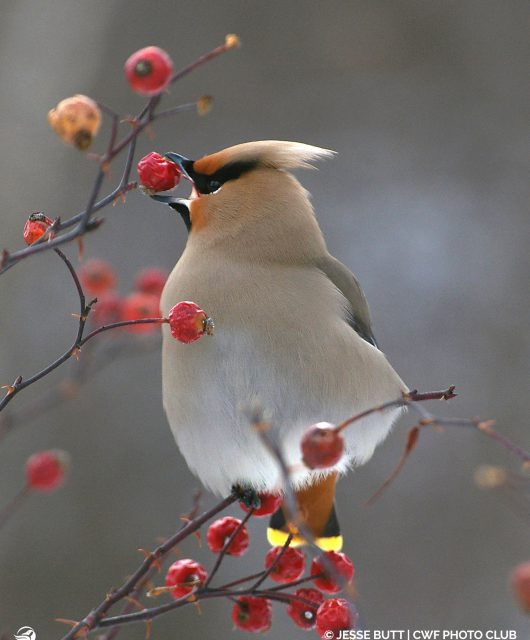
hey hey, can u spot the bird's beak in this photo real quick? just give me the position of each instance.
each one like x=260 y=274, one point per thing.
x=182 y=163
x=182 y=205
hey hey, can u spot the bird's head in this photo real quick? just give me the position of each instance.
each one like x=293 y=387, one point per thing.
x=246 y=193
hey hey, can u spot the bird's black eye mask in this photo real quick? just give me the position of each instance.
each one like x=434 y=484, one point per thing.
x=209 y=183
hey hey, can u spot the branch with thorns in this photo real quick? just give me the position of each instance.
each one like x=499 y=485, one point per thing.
x=252 y=584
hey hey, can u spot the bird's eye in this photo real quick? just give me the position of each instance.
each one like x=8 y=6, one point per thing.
x=213 y=185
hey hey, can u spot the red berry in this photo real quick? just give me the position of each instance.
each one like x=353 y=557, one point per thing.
x=302 y=614
x=220 y=531
x=270 y=503
x=520 y=583
x=97 y=276
x=343 y=567
x=322 y=446
x=138 y=306
x=45 y=470
x=156 y=173
x=149 y=70
x=107 y=309
x=36 y=226
x=188 y=322
x=252 y=614
x=289 y=567
x=151 y=280
x=334 y=616
x=184 y=575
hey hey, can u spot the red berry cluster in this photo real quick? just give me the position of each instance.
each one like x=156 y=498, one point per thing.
x=99 y=278
x=307 y=606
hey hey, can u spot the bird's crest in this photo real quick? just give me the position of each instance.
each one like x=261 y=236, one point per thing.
x=278 y=154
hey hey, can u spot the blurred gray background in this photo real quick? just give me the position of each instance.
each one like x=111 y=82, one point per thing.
x=427 y=104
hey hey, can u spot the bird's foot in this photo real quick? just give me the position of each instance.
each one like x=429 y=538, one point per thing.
x=247 y=496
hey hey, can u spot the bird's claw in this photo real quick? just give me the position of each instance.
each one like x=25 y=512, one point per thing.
x=247 y=496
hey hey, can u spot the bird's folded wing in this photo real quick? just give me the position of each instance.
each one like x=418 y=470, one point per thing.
x=358 y=313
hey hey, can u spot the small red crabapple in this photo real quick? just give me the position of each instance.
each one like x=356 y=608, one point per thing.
x=302 y=614
x=138 y=306
x=151 y=280
x=343 y=567
x=252 y=614
x=107 y=309
x=289 y=567
x=334 y=616
x=184 y=575
x=97 y=276
x=322 y=446
x=76 y=120
x=149 y=70
x=45 y=470
x=269 y=504
x=156 y=173
x=520 y=583
x=188 y=322
x=220 y=531
x=36 y=226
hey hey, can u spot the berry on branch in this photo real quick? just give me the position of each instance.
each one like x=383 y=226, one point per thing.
x=156 y=173
x=97 y=276
x=252 y=614
x=322 y=446
x=36 y=226
x=151 y=280
x=302 y=614
x=289 y=567
x=343 y=568
x=188 y=322
x=184 y=575
x=269 y=504
x=107 y=309
x=76 y=120
x=334 y=616
x=139 y=306
x=220 y=531
x=149 y=70
x=45 y=470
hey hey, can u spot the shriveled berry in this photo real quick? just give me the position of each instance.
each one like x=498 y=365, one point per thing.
x=334 y=616
x=45 y=470
x=343 y=569
x=289 y=567
x=149 y=70
x=107 y=309
x=151 y=280
x=302 y=614
x=97 y=276
x=220 y=531
x=36 y=226
x=269 y=504
x=138 y=306
x=188 y=322
x=76 y=120
x=322 y=446
x=156 y=173
x=252 y=614
x=520 y=583
x=184 y=575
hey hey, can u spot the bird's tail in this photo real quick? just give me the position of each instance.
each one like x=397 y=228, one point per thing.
x=317 y=509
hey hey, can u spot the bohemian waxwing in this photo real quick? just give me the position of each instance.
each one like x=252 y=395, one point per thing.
x=292 y=333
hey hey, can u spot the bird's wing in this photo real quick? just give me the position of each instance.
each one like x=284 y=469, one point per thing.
x=358 y=313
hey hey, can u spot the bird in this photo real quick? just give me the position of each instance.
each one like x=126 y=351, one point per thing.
x=293 y=334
